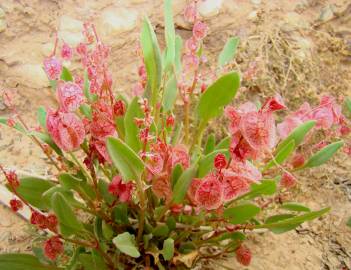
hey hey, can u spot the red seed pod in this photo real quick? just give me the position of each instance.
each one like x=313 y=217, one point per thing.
x=52 y=67
x=170 y=121
x=298 y=160
x=220 y=161
x=119 y=108
x=288 y=180
x=16 y=205
x=243 y=255
x=51 y=222
x=12 y=178
x=39 y=220
x=53 y=247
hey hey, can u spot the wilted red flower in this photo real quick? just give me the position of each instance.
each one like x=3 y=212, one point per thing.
x=233 y=185
x=119 y=108
x=70 y=96
x=161 y=187
x=180 y=155
x=209 y=194
x=53 y=247
x=12 y=179
x=258 y=129
x=66 y=129
x=241 y=150
x=53 y=68
x=298 y=160
x=190 y=13
x=51 y=222
x=243 y=255
x=288 y=180
x=66 y=51
x=220 y=161
x=200 y=30
x=16 y=205
x=120 y=189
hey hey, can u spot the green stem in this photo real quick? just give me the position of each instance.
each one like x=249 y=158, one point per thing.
x=142 y=208
x=198 y=136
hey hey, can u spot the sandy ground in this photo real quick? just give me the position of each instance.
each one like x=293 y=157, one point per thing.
x=316 y=60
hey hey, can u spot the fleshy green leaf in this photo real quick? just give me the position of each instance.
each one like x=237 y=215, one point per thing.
x=323 y=155
x=125 y=159
x=131 y=129
x=160 y=231
x=85 y=109
x=178 y=54
x=228 y=52
x=183 y=183
x=278 y=218
x=241 y=213
x=92 y=261
x=266 y=187
x=210 y=144
x=66 y=75
x=120 y=214
x=295 y=207
x=23 y=262
x=32 y=189
x=41 y=116
x=206 y=163
x=218 y=95
x=168 y=249
x=224 y=143
x=152 y=60
x=71 y=182
x=125 y=242
x=281 y=156
x=68 y=221
x=169 y=34
x=170 y=94
x=298 y=134
x=176 y=173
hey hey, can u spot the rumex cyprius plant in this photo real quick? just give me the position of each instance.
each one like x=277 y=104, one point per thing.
x=137 y=185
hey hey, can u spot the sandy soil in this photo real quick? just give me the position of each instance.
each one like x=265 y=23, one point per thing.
x=315 y=59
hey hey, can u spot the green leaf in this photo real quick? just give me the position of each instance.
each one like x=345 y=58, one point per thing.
x=292 y=222
x=68 y=221
x=228 y=52
x=168 y=249
x=44 y=137
x=71 y=182
x=18 y=126
x=125 y=159
x=281 y=217
x=22 y=262
x=32 y=189
x=171 y=223
x=295 y=207
x=103 y=189
x=85 y=109
x=348 y=104
x=160 y=231
x=298 y=134
x=235 y=236
x=41 y=116
x=178 y=53
x=169 y=34
x=183 y=183
x=107 y=230
x=224 y=143
x=66 y=75
x=170 y=94
x=120 y=214
x=206 y=163
x=176 y=173
x=152 y=60
x=218 y=95
x=281 y=156
x=125 y=242
x=68 y=194
x=323 y=155
x=241 y=213
x=131 y=129
x=92 y=261
x=210 y=144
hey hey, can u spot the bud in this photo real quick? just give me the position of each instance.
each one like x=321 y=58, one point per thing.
x=203 y=87
x=220 y=161
x=12 y=179
x=191 y=44
x=16 y=205
x=288 y=180
x=243 y=255
x=298 y=160
x=190 y=13
x=66 y=52
x=170 y=121
x=11 y=122
x=200 y=30
x=53 y=68
x=38 y=219
x=51 y=222
x=119 y=108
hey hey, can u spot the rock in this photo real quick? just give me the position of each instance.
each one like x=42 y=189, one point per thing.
x=47 y=48
x=293 y=21
x=2 y=13
x=327 y=13
x=209 y=8
x=253 y=16
x=117 y=20
x=2 y=25
x=256 y=2
x=70 y=30
x=31 y=75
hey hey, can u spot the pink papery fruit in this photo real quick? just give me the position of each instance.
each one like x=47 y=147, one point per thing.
x=180 y=156
x=288 y=125
x=246 y=170
x=234 y=185
x=195 y=183
x=161 y=187
x=200 y=30
x=66 y=129
x=70 y=96
x=243 y=255
x=66 y=52
x=190 y=13
x=102 y=124
x=259 y=130
x=324 y=117
x=155 y=163
x=53 y=67
x=209 y=194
